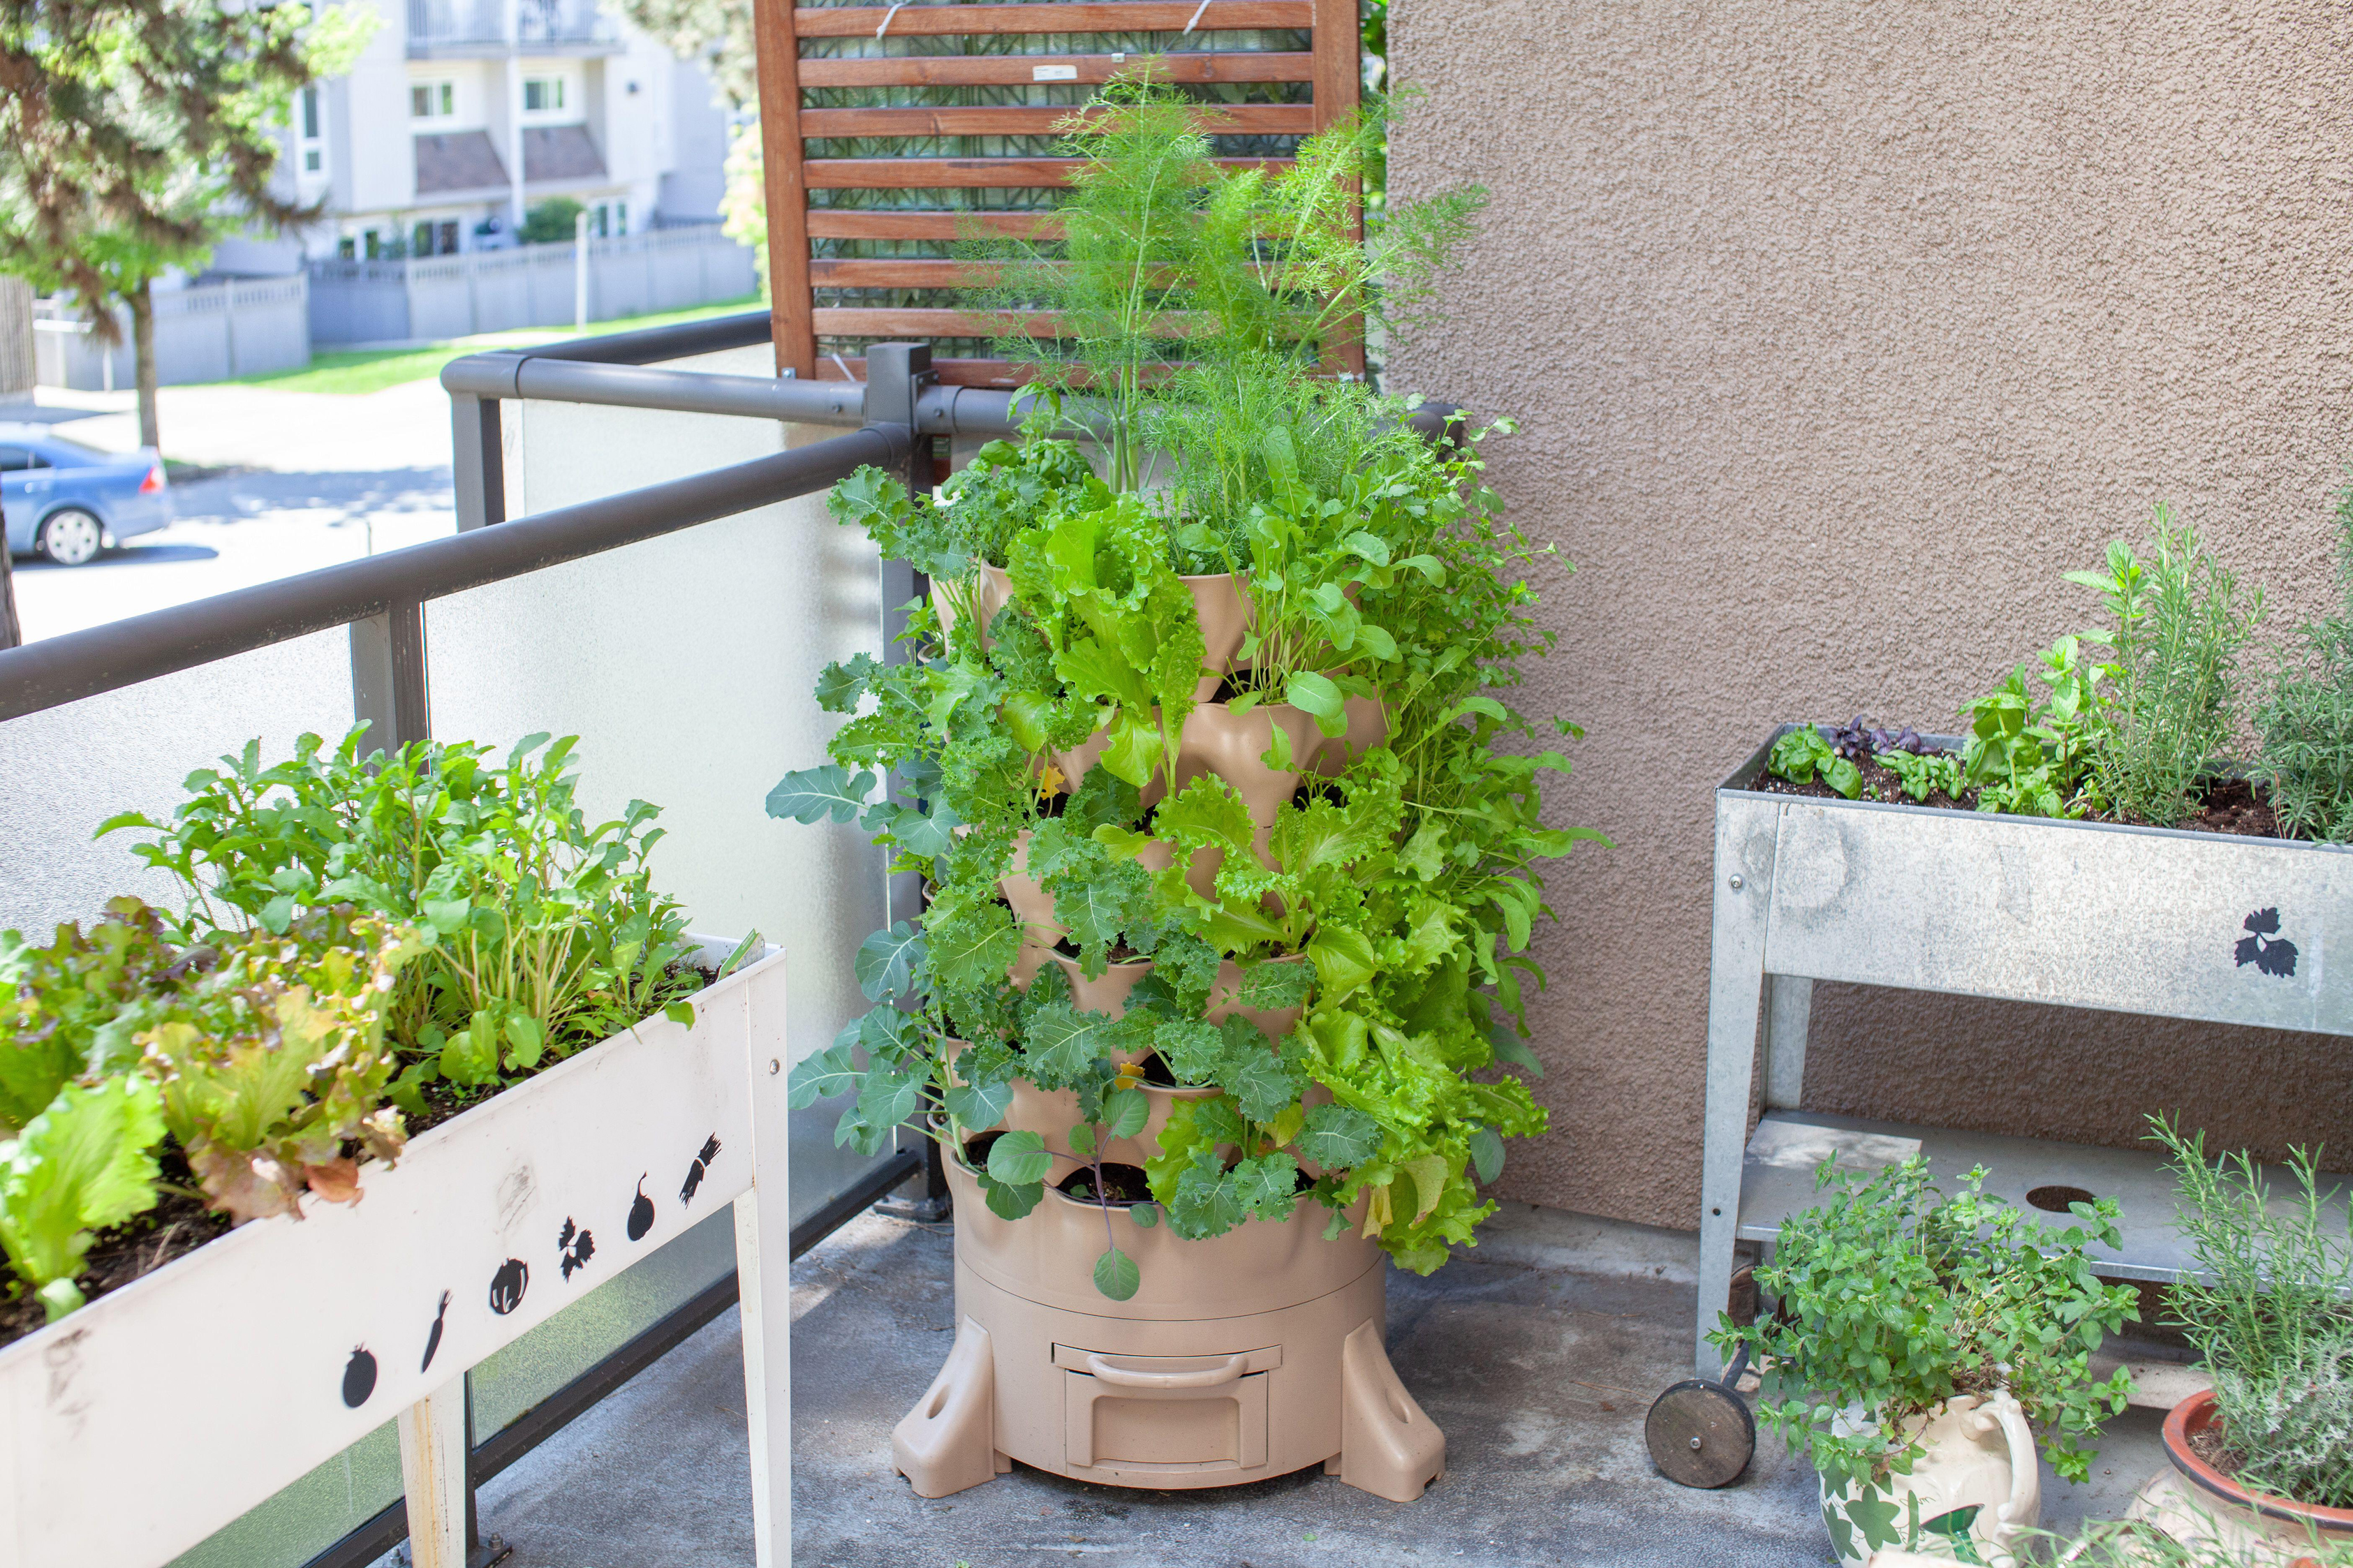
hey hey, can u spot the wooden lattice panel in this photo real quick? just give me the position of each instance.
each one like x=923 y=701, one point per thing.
x=810 y=200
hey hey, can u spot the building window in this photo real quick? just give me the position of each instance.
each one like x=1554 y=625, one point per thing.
x=432 y=101
x=608 y=220
x=543 y=95
x=347 y=247
x=446 y=235
x=315 y=142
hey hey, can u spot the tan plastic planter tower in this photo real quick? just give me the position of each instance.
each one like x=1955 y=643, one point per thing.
x=1247 y=1356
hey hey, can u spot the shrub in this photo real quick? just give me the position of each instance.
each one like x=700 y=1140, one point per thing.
x=554 y=221
x=2306 y=722
x=2267 y=1308
x=2181 y=623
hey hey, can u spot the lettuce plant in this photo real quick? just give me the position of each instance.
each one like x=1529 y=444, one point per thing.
x=85 y=1162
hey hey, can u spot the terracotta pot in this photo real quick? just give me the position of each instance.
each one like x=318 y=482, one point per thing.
x=2195 y=1503
x=1107 y=993
x=1218 y=741
x=1979 y=1482
x=1241 y=1358
x=1079 y=761
x=1224 y=610
x=1031 y=904
x=1368 y=726
x=991 y=590
x=1278 y=1022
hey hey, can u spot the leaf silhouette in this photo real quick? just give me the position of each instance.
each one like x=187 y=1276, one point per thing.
x=2277 y=958
x=2267 y=921
x=2249 y=950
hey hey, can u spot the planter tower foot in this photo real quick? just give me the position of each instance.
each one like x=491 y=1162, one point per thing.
x=946 y=1444
x=1388 y=1446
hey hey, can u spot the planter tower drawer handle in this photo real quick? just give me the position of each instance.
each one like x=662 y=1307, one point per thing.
x=1207 y=1377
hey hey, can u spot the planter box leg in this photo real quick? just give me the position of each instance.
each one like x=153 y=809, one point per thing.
x=433 y=1454
x=1744 y=846
x=764 y=1271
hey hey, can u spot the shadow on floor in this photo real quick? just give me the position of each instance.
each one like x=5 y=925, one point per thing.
x=1539 y=1367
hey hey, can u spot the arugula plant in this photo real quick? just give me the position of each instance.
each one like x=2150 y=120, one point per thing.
x=1895 y=1298
x=542 y=931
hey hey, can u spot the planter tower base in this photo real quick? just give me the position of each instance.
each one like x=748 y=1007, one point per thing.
x=1156 y=1392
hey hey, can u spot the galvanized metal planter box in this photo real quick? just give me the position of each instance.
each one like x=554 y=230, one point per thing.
x=2170 y=923
x=135 y=1428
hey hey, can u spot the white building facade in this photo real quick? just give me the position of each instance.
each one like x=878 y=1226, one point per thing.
x=463 y=115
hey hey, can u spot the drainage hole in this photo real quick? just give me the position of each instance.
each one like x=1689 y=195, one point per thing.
x=2055 y=1199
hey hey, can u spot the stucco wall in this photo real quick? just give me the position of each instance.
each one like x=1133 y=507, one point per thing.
x=1836 y=333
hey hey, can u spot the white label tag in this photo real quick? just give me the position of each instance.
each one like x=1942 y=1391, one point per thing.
x=1053 y=73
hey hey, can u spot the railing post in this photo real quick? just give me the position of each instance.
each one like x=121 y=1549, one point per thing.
x=389 y=684
x=12 y=630
x=896 y=375
x=479 y=449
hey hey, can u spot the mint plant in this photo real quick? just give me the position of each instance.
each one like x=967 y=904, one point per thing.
x=1892 y=1297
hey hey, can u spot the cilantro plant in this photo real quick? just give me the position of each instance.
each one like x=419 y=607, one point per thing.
x=1893 y=1298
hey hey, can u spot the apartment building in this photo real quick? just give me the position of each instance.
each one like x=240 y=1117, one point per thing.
x=461 y=115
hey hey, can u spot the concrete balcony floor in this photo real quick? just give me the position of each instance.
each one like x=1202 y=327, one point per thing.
x=1538 y=1354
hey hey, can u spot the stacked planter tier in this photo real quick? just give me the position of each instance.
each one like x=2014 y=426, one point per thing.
x=226 y=1376
x=1241 y=1357
x=2158 y=922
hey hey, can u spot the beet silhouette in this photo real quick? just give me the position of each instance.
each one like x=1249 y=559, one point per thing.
x=694 y=1172
x=641 y=1213
x=359 y=1377
x=508 y=1285
x=433 y=1340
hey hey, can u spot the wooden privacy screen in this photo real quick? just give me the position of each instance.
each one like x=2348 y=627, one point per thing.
x=889 y=132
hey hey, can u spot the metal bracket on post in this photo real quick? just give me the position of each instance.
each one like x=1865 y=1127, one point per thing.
x=478 y=446
x=389 y=685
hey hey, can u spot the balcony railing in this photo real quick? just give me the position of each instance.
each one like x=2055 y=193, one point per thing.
x=482 y=25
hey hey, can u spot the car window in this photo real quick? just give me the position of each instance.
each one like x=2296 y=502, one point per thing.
x=64 y=454
x=15 y=459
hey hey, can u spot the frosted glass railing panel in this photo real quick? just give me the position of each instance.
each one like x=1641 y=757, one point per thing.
x=64 y=770
x=685 y=664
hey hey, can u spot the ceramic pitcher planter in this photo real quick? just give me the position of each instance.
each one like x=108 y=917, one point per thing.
x=1973 y=1492
x=2195 y=1503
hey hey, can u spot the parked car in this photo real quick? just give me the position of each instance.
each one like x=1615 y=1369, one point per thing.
x=69 y=501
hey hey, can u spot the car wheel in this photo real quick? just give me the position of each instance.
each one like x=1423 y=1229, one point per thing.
x=72 y=538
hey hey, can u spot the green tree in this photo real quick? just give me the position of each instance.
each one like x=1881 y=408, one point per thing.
x=134 y=134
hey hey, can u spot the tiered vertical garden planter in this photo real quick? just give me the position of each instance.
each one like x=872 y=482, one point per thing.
x=133 y=1428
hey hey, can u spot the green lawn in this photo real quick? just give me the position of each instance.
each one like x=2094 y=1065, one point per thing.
x=372 y=369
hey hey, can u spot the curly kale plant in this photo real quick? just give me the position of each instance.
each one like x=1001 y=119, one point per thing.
x=1893 y=1297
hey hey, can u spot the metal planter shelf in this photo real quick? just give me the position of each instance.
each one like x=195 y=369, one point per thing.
x=2138 y=920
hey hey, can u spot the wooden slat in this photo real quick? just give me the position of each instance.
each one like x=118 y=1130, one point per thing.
x=889 y=272
x=1016 y=120
x=1339 y=77
x=966 y=174
x=864 y=222
x=778 y=59
x=949 y=372
x=1010 y=70
x=927 y=321
x=1114 y=17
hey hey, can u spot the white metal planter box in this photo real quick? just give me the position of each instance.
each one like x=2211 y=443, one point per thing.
x=2159 y=921
x=135 y=1428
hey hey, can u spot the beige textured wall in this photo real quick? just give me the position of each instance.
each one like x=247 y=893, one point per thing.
x=1836 y=333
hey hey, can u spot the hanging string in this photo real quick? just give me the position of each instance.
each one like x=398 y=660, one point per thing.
x=1189 y=25
x=895 y=11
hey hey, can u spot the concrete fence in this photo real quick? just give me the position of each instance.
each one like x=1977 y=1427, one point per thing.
x=207 y=332
x=425 y=299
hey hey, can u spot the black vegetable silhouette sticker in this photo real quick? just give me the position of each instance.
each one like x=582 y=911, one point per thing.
x=2266 y=949
x=641 y=1213
x=694 y=1172
x=508 y=1285
x=574 y=1246
x=359 y=1377
x=433 y=1340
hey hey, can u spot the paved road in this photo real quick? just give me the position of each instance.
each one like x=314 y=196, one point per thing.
x=311 y=481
